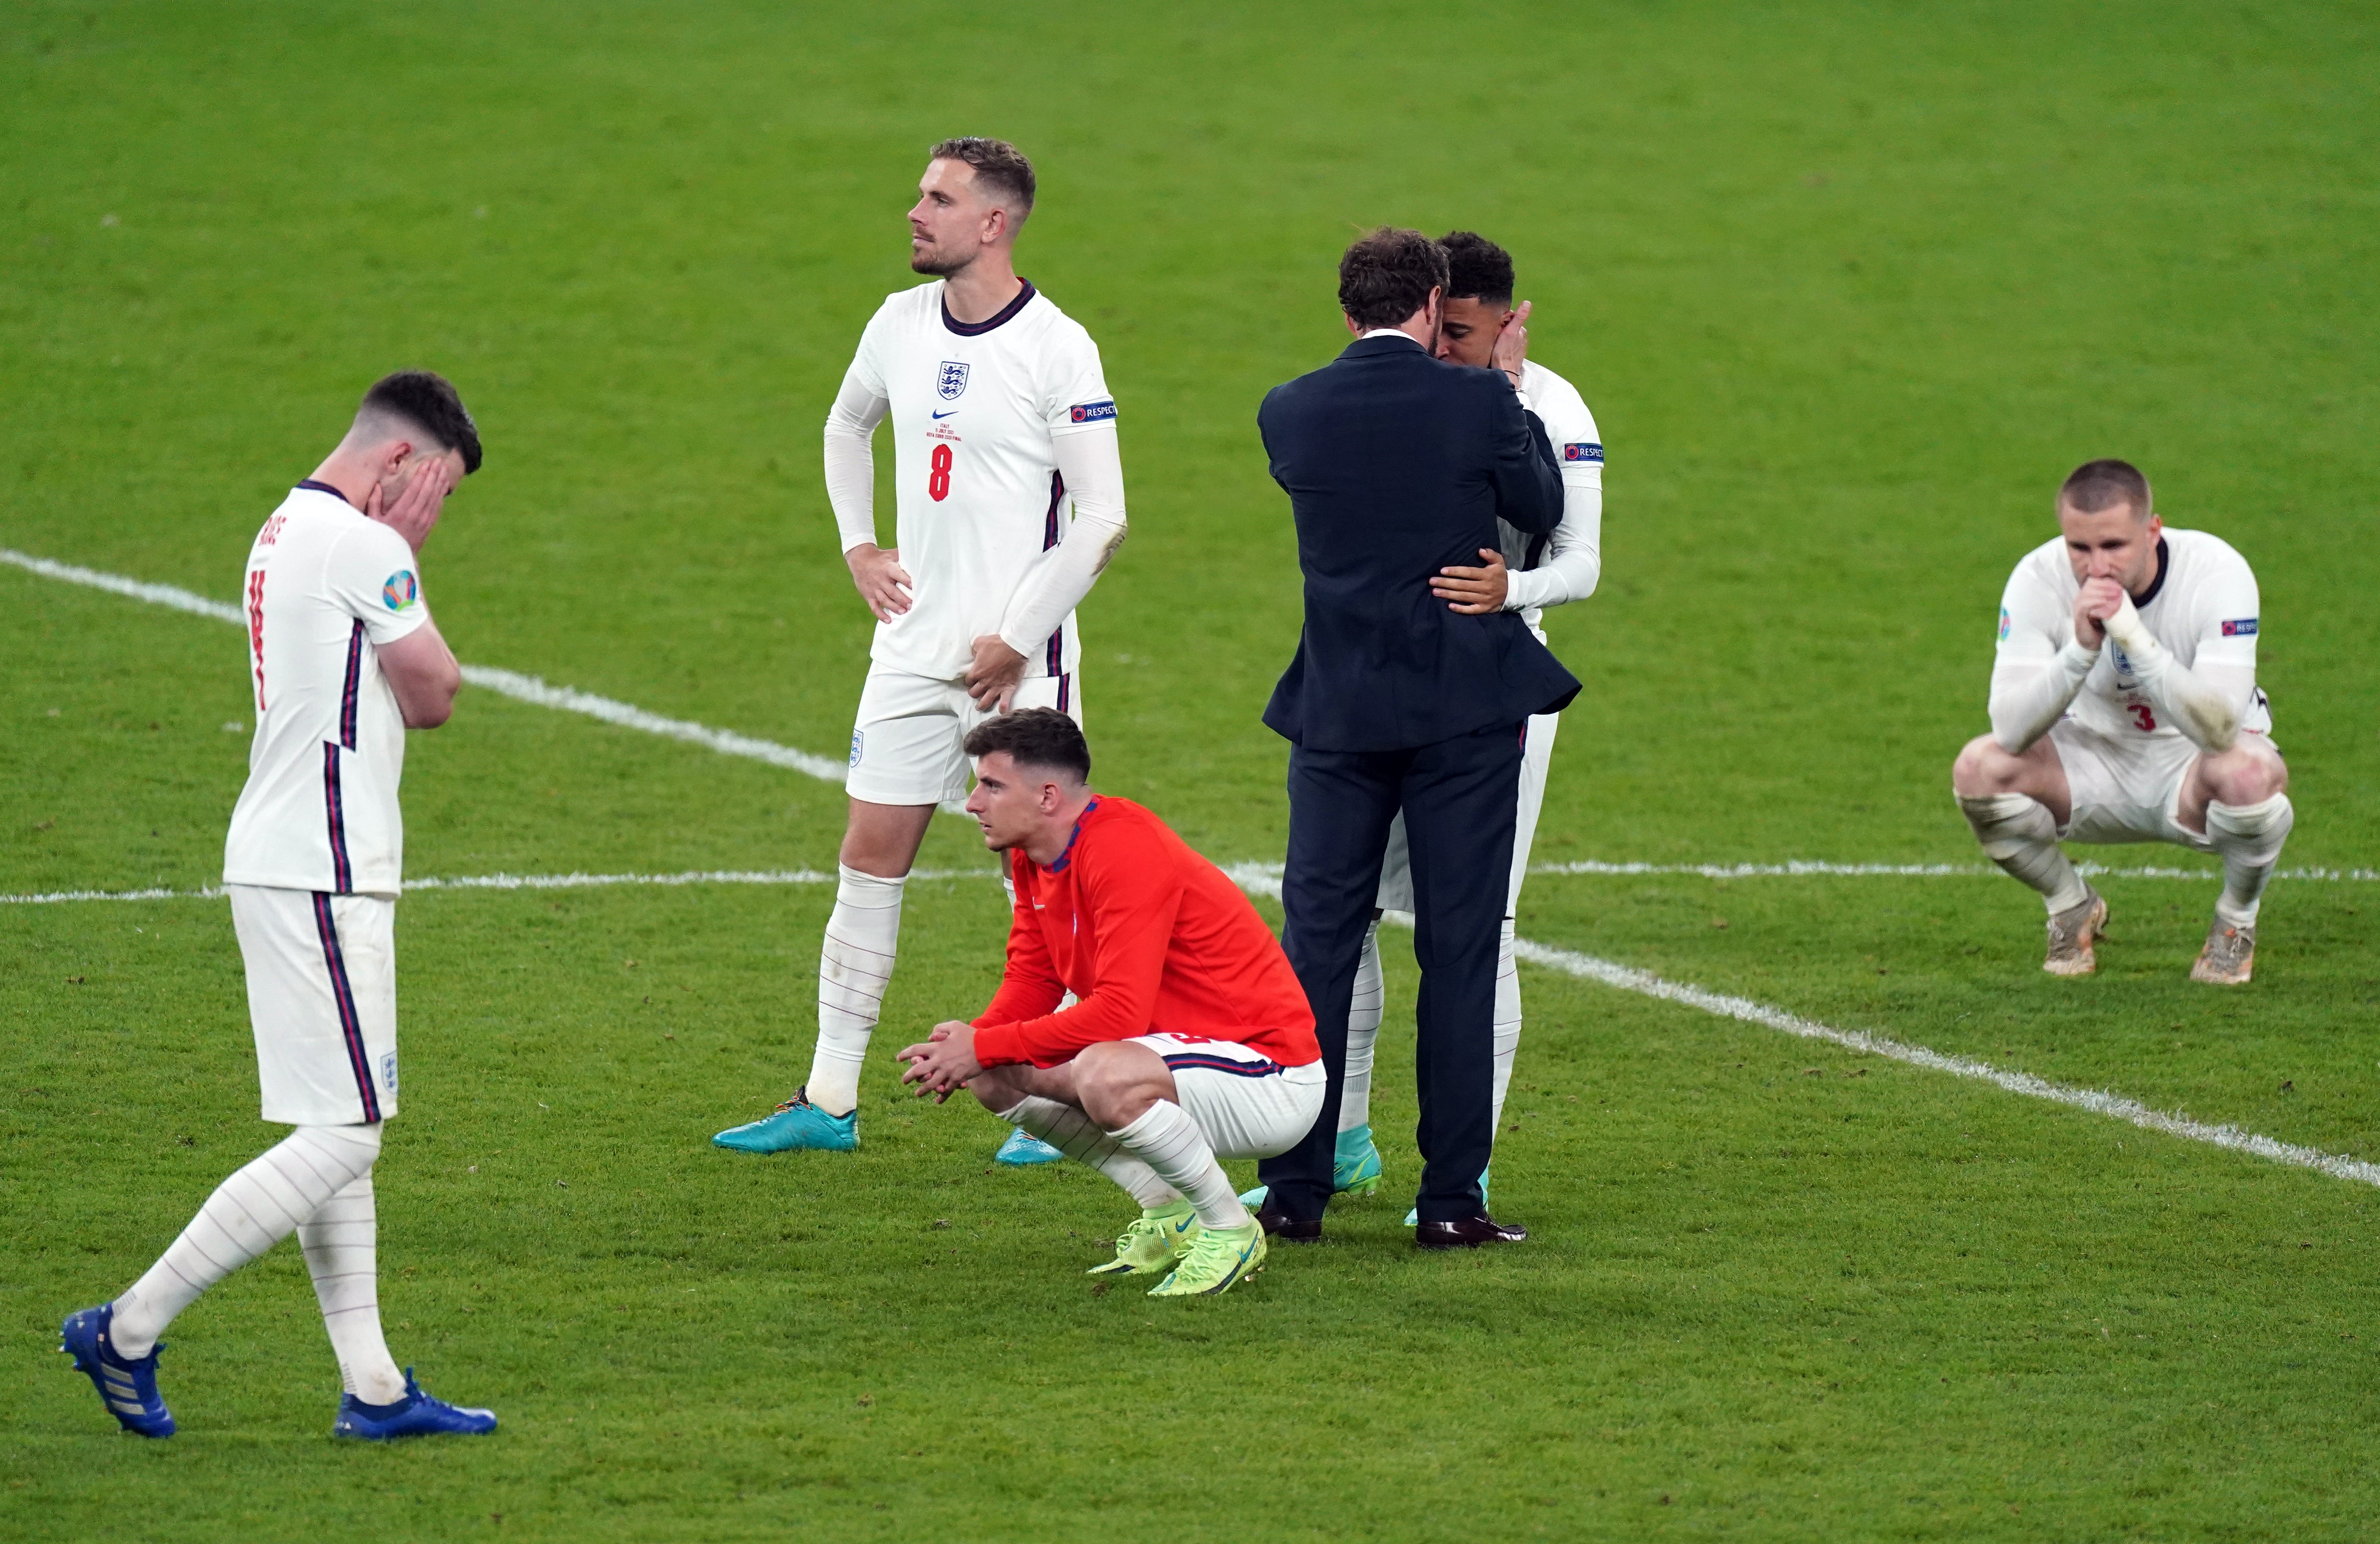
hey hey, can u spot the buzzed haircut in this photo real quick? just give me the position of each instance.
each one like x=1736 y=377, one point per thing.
x=429 y=402
x=2097 y=485
x=1388 y=275
x=1477 y=268
x=1000 y=168
x=1039 y=737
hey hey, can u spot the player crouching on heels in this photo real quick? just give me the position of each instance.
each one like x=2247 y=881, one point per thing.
x=1191 y=1039
x=2125 y=709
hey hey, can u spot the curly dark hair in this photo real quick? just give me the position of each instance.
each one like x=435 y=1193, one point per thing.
x=427 y=401
x=1041 y=737
x=1000 y=167
x=1388 y=275
x=1477 y=268
x=2097 y=485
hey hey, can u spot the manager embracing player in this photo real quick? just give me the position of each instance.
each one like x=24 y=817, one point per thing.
x=2125 y=709
x=344 y=659
x=1010 y=501
x=1527 y=574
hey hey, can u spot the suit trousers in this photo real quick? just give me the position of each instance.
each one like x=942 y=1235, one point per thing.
x=1459 y=798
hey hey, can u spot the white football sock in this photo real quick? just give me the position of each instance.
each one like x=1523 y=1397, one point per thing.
x=1168 y=1141
x=2249 y=836
x=1079 y=1137
x=339 y=1241
x=248 y=1213
x=1363 y=1033
x=854 y=965
x=2021 y=835
x=1508 y=1021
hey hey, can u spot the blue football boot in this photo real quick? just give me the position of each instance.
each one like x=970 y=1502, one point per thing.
x=1413 y=1218
x=794 y=1123
x=1022 y=1148
x=417 y=1415
x=1354 y=1168
x=128 y=1387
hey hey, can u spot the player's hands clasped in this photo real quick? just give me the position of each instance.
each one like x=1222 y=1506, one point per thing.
x=416 y=507
x=993 y=675
x=882 y=582
x=945 y=1062
x=1473 y=591
x=2100 y=599
x=1513 y=344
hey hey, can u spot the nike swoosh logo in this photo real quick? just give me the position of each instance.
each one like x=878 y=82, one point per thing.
x=953 y=413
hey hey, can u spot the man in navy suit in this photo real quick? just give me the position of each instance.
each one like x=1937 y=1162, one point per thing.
x=1398 y=466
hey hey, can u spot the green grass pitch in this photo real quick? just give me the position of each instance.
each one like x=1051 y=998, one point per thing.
x=1849 y=286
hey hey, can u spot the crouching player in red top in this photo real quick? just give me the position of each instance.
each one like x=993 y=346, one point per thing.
x=1190 y=1040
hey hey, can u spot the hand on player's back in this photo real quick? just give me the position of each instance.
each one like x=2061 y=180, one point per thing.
x=992 y=675
x=882 y=582
x=1473 y=591
x=417 y=508
x=2100 y=599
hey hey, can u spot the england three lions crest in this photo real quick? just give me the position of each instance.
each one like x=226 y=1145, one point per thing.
x=953 y=380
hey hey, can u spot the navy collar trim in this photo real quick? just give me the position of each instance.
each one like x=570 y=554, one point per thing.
x=1074 y=836
x=2165 y=567
x=1006 y=313
x=312 y=486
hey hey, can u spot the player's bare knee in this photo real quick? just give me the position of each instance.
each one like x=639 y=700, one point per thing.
x=1983 y=768
x=2250 y=772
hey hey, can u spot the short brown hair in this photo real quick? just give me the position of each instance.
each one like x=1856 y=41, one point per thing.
x=1388 y=275
x=1041 y=737
x=2097 y=485
x=1000 y=168
x=429 y=402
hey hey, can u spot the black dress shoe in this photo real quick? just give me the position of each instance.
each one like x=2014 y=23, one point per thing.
x=1280 y=1225
x=1468 y=1234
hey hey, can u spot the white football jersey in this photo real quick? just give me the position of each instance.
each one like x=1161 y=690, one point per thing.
x=2202 y=607
x=1578 y=447
x=976 y=409
x=326 y=589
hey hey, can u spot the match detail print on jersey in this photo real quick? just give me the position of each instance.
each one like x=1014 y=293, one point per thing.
x=976 y=410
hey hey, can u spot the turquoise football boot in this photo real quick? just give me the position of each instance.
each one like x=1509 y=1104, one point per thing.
x=1354 y=1168
x=1356 y=1163
x=792 y=1124
x=1023 y=1149
x=1413 y=1218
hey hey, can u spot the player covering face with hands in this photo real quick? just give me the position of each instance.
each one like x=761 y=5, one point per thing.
x=343 y=660
x=1189 y=1040
x=2125 y=708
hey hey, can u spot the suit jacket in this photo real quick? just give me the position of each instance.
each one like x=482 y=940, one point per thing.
x=1397 y=465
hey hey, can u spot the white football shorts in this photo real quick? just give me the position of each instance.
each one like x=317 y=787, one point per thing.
x=907 y=747
x=321 y=997
x=2125 y=787
x=1246 y=1105
x=1536 y=755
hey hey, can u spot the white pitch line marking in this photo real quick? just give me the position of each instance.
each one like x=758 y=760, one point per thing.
x=1265 y=879
x=510 y=683
x=626 y=715
x=517 y=881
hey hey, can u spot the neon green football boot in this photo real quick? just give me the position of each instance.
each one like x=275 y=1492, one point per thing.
x=1221 y=1260
x=1154 y=1242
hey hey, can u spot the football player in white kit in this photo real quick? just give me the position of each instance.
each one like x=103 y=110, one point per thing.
x=1010 y=501
x=2125 y=709
x=343 y=660
x=1530 y=574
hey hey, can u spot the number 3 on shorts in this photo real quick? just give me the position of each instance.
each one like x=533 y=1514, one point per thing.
x=937 y=485
x=2144 y=720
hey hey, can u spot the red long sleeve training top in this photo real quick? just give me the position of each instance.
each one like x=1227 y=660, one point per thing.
x=1150 y=938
